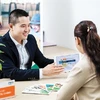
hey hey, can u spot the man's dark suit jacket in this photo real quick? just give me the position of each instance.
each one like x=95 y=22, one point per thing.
x=11 y=60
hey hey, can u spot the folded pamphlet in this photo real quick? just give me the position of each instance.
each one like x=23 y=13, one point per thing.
x=42 y=89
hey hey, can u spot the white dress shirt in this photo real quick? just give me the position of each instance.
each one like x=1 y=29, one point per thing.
x=23 y=54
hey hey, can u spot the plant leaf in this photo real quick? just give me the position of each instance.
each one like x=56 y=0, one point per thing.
x=1 y=61
x=0 y=67
x=1 y=51
x=2 y=45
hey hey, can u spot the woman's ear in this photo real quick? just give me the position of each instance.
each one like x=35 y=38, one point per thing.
x=78 y=41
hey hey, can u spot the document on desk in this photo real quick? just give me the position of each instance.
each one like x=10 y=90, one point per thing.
x=67 y=61
x=42 y=89
x=7 y=88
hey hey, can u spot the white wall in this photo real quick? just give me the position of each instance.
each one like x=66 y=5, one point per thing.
x=59 y=18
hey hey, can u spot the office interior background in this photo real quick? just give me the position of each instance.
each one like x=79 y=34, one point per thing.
x=59 y=17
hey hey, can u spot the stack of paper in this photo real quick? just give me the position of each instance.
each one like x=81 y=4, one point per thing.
x=43 y=89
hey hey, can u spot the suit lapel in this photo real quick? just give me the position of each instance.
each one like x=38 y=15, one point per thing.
x=12 y=46
x=28 y=48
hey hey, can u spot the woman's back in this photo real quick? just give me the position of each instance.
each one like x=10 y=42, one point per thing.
x=90 y=89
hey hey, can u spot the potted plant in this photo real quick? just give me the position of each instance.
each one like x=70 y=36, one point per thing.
x=1 y=61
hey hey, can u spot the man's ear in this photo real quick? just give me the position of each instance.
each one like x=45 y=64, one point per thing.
x=78 y=41
x=10 y=26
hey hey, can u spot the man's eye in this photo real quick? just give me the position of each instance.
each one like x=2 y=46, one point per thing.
x=22 y=26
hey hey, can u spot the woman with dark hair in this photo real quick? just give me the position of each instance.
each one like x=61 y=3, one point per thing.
x=83 y=82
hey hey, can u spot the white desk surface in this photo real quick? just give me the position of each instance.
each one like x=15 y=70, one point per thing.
x=20 y=85
x=52 y=51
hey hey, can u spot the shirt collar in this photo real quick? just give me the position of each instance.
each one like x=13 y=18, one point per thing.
x=16 y=43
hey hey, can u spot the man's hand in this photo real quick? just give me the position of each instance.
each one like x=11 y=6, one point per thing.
x=52 y=69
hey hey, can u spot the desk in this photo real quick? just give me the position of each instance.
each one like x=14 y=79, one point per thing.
x=19 y=86
x=52 y=51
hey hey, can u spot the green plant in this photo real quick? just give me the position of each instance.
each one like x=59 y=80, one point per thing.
x=1 y=61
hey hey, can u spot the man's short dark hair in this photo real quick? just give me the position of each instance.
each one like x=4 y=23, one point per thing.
x=15 y=14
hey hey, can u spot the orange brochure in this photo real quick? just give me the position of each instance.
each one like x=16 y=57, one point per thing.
x=7 y=88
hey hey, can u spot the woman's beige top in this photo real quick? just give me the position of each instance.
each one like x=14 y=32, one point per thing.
x=82 y=81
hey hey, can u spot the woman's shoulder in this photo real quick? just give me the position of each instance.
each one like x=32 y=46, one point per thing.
x=85 y=65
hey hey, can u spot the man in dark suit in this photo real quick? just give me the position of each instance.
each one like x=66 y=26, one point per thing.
x=21 y=49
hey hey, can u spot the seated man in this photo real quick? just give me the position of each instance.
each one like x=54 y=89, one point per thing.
x=21 y=49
